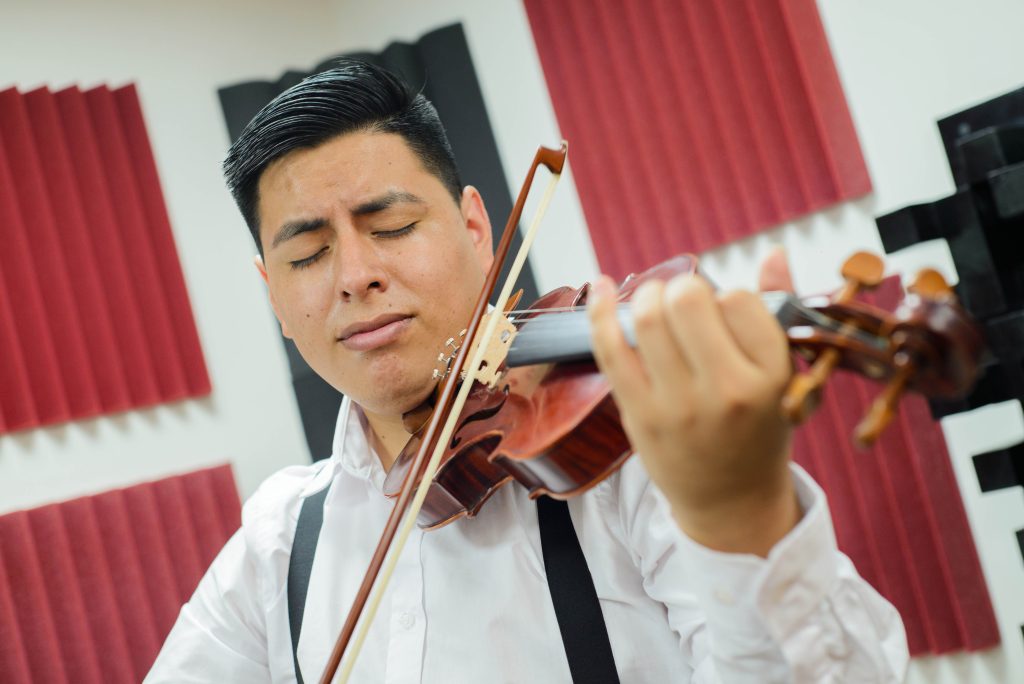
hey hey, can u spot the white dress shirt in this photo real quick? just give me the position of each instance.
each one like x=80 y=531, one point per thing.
x=469 y=602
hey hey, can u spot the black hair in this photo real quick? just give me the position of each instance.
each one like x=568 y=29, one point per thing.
x=354 y=96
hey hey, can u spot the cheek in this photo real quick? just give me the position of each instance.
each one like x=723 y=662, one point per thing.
x=451 y=281
x=302 y=308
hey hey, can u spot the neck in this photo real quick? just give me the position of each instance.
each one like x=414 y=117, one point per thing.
x=387 y=435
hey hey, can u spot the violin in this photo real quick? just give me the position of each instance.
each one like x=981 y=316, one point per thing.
x=532 y=407
x=546 y=420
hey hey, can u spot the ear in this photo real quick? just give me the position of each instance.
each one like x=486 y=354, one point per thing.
x=474 y=214
x=261 y=267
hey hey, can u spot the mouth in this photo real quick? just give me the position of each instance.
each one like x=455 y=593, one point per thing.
x=374 y=333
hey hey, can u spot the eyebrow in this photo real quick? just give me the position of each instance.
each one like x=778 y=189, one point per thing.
x=293 y=228
x=377 y=204
x=386 y=201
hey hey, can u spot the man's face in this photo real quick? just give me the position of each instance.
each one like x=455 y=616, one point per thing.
x=370 y=263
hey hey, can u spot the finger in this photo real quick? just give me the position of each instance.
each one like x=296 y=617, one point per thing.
x=774 y=274
x=699 y=328
x=667 y=366
x=757 y=333
x=614 y=357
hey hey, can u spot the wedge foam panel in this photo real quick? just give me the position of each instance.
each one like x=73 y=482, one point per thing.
x=693 y=123
x=94 y=313
x=90 y=587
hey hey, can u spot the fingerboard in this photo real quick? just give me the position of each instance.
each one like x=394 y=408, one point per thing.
x=565 y=336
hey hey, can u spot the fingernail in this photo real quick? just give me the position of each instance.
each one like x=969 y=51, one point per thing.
x=602 y=287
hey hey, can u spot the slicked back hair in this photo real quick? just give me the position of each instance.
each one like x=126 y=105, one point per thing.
x=354 y=96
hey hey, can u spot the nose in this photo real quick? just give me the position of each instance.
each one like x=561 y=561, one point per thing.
x=359 y=270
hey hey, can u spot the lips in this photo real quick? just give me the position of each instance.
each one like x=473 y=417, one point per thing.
x=374 y=333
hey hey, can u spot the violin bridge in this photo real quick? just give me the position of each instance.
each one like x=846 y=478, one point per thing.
x=489 y=372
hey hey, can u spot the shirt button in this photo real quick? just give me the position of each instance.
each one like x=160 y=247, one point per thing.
x=724 y=596
x=407 y=620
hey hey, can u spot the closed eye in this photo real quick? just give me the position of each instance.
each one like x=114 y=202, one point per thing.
x=308 y=261
x=394 y=233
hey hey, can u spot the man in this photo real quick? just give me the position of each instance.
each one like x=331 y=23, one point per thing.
x=373 y=254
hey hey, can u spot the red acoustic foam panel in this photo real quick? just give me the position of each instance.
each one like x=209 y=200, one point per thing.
x=186 y=338
x=133 y=233
x=17 y=405
x=898 y=513
x=94 y=312
x=48 y=262
x=104 y=600
x=14 y=666
x=80 y=256
x=91 y=587
x=28 y=590
x=21 y=281
x=54 y=286
x=98 y=203
x=695 y=123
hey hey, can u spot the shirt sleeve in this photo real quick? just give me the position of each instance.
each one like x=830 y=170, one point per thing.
x=223 y=633
x=801 y=614
x=220 y=634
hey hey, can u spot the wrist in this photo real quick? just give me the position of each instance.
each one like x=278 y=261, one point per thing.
x=749 y=520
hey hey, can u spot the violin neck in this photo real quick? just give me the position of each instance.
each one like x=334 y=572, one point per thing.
x=565 y=337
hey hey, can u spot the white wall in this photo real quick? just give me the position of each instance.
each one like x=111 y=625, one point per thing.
x=903 y=65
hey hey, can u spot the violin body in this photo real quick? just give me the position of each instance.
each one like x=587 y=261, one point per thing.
x=553 y=428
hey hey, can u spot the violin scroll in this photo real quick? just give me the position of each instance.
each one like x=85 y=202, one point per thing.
x=862 y=271
x=928 y=344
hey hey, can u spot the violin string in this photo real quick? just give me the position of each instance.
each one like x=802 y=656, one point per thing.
x=550 y=322
x=556 y=309
x=552 y=315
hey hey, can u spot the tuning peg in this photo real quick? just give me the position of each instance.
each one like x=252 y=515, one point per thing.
x=930 y=284
x=804 y=393
x=862 y=271
x=883 y=408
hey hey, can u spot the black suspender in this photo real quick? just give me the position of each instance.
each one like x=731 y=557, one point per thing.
x=300 y=564
x=584 y=633
x=577 y=607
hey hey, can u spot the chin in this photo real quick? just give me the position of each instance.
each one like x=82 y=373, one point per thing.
x=393 y=399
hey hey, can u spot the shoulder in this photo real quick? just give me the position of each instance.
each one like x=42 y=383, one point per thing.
x=270 y=514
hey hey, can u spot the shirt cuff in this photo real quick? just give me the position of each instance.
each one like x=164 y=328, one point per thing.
x=753 y=603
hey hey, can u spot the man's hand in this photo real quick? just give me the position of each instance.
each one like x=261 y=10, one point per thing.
x=700 y=402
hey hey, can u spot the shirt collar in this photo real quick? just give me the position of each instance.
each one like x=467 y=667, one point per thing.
x=352 y=449
x=350 y=452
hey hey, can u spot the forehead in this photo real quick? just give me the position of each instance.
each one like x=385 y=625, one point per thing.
x=338 y=174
